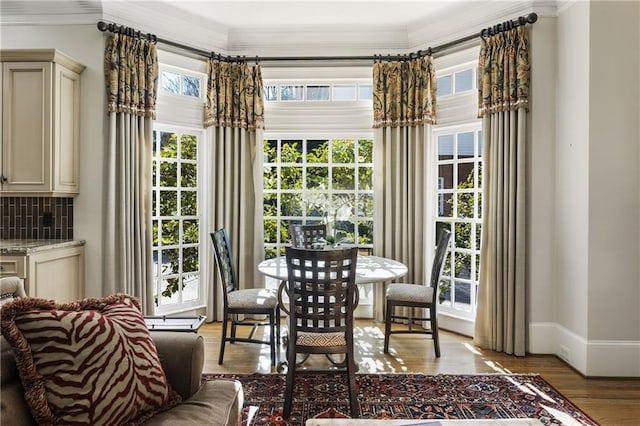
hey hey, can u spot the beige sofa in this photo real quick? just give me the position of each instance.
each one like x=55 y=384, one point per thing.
x=216 y=402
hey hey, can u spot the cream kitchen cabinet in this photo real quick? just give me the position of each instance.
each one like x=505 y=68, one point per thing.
x=40 y=123
x=51 y=269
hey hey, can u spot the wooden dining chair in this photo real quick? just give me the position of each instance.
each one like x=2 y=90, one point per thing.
x=322 y=288
x=306 y=235
x=418 y=296
x=246 y=302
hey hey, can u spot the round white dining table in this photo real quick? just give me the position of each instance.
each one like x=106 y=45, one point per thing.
x=369 y=269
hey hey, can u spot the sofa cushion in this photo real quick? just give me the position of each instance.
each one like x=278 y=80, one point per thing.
x=86 y=362
x=218 y=402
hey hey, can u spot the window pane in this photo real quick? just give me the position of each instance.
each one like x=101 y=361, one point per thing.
x=465 y=205
x=444 y=85
x=190 y=259
x=343 y=151
x=270 y=204
x=444 y=291
x=445 y=176
x=171 y=82
x=463 y=235
x=317 y=151
x=365 y=178
x=168 y=145
x=445 y=205
x=365 y=205
x=291 y=178
x=465 y=175
x=365 y=150
x=190 y=287
x=170 y=232
x=189 y=175
x=445 y=147
x=270 y=151
x=465 y=145
x=168 y=203
x=191 y=86
x=343 y=177
x=463 y=265
x=168 y=174
x=464 y=80
x=344 y=92
x=291 y=205
x=189 y=203
x=317 y=177
x=291 y=152
x=270 y=230
x=191 y=231
x=271 y=93
x=462 y=292
x=317 y=93
x=188 y=147
x=292 y=93
x=365 y=92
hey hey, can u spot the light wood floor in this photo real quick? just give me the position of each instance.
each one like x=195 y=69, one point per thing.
x=608 y=401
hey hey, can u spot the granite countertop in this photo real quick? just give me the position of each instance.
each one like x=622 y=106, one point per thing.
x=24 y=247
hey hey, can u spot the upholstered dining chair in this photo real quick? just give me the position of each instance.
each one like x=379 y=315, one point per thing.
x=246 y=302
x=10 y=288
x=322 y=291
x=306 y=235
x=418 y=296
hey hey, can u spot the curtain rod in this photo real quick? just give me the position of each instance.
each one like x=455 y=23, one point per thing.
x=486 y=32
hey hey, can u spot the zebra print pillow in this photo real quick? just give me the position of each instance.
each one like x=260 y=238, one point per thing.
x=87 y=362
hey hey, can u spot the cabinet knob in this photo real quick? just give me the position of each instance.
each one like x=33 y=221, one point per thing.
x=3 y=178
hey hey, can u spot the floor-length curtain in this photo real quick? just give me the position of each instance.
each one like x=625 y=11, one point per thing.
x=503 y=84
x=404 y=109
x=234 y=117
x=131 y=72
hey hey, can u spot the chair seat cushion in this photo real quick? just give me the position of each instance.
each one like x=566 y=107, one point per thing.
x=399 y=292
x=252 y=298
x=320 y=339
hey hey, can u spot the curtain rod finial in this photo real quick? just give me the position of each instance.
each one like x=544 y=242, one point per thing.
x=532 y=17
x=102 y=26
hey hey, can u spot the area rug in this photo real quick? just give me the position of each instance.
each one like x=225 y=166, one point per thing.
x=406 y=396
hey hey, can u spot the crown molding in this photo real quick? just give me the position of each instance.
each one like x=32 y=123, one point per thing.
x=309 y=40
x=471 y=17
x=51 y=12
x=168 y=23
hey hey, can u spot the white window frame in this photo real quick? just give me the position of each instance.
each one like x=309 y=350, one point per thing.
x=183 y=114
x=457 y=113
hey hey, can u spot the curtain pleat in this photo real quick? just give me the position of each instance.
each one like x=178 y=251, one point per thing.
x=234 y=116
x=131 y=72
x=503 y=100
x=404 y=103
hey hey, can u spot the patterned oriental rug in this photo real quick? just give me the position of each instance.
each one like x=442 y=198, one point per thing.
x=406 y=396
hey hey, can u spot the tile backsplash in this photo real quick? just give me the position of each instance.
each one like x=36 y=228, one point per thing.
x=39 y=218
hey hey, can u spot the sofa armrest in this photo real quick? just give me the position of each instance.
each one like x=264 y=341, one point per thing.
x=182 y=358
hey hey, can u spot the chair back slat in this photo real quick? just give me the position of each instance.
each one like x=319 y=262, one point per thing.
x=224 y=258
x=322 y=289
x=438 y=259
x=304 y=236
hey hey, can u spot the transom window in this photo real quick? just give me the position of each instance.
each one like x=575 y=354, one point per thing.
x=319 y=92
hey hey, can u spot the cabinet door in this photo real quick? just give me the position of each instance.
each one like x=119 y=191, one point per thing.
x=66 y=130
x=57 y=274
x=26 y=126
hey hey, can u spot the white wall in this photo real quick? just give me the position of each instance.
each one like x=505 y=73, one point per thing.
x=541 y=301
x=85 y=44
x=597 y=208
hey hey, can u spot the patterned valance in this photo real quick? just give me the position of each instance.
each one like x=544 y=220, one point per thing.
x=404 y=93
x=504 y=72
x=234 y=96
x=131 y=72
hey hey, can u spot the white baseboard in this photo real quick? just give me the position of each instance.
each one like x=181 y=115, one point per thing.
x=602 y=358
